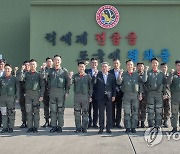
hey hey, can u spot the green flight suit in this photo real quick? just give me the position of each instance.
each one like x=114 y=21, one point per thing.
x=59 y=85
x=82 y=94
x=34 y=89
x=155 y=83
x=174 y=81
x=9 y=91
x=131 y=87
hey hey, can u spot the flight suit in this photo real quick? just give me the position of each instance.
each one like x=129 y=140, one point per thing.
x=34 y=89
x=131 y=87
x=142 y=103
x=174 y=81
x=82 y=94
x=155 y=83
x=59 y=85
x=9 y=89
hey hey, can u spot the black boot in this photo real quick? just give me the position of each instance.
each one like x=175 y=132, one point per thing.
x=84 y=130
x=133 y=130
x=23 y=125
x=53 y=129
x=30 y=130
x=4 y=130
x=174 y=130
x=142 y=124
x=128 y=130
x=100 y=131
x=10 y=130
x=59 y=130
x=46 y=124
x=78 y=130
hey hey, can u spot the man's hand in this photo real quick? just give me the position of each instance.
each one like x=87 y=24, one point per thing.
x=146 y=68
x=71 y=74
x=40 y=99
x=172 y=71
x=22 y=68
x=16 y=69
x=120 y=74
x=95 y=72
x=90 y=99
x=17 y=101
x=113 y=99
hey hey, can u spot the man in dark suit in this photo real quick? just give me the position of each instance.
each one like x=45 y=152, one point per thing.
x=117 y=104
x=105 y=95
x=93 y=104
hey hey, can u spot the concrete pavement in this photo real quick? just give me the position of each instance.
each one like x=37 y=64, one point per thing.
x=69 y=142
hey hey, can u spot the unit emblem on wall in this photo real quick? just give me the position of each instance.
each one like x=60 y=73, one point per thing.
x=107 y=16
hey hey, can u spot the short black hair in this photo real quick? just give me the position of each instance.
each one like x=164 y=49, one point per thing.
x=3 y=61
x=8 y=65
x=26 y=61
x=57 y=56
x=33 y=60
x=140 y=63
x=92 y=59
x=177 y=61
x=128 y=61
x=162 y=64
x=116 y=59
x=154 y=59
x=81 y=62
x=48 y=58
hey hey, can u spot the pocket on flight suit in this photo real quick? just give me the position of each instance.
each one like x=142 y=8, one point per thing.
x=35 y=86
x=60 y=82
x=4 y=110
x=28 y=108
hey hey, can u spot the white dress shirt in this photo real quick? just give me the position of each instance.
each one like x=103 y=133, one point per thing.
x=105 y=77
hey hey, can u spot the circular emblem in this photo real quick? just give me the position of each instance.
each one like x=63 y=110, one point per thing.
x=107 y=16
x=153 y=136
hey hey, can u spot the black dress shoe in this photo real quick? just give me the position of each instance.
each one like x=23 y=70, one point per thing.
x=35 y=130
x=100 y=131
x=10 y=130
x=174 y=130
x=77 y=131
x=84 y=130
x=23 y=125
x=142 y=124
x=30 y=130
x=133 y=130
x=128 y=130
x=53 y=129
x=59 y=129
x=4 y=130
x=95 y=127
x=108 y=131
